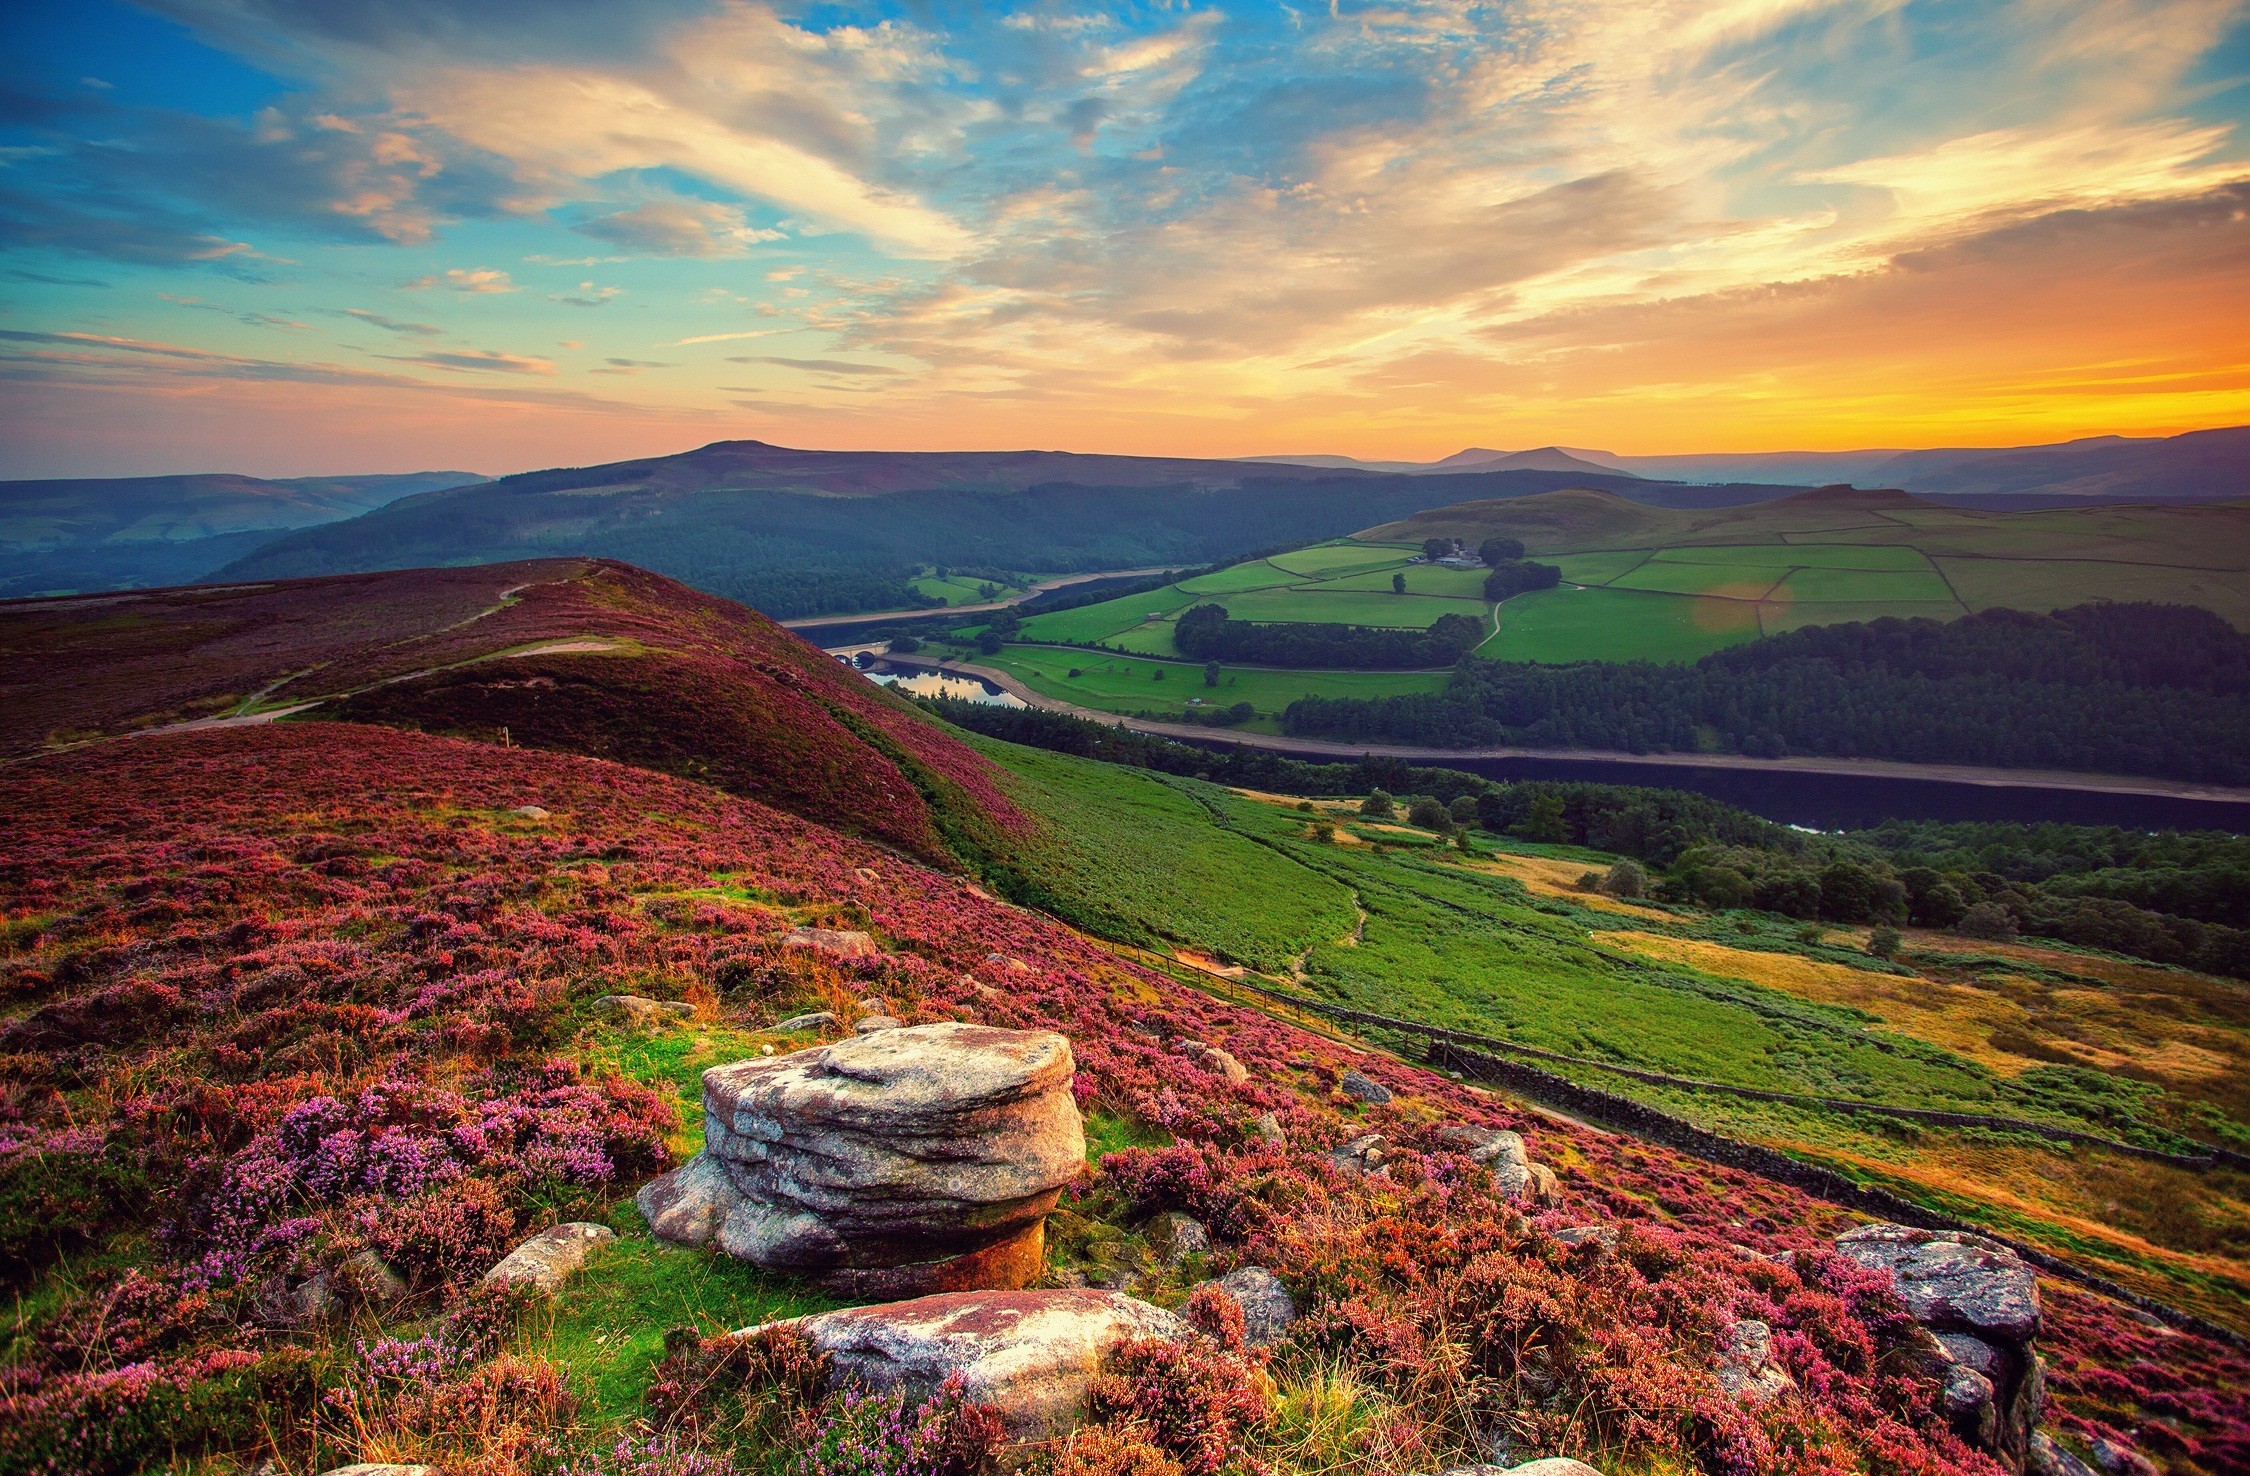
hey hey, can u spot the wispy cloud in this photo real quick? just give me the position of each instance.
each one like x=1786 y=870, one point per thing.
x=479 y=361
x=393 y=325
x=817 y=366
x=458 y=279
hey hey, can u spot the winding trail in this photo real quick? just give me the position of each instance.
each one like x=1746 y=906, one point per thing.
x=872 y=617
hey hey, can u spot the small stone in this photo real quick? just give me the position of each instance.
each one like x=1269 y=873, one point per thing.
x=638 y=1009
x=2046 y=1458
x=1970 y=1352
x=1268 y=1127
x=1174 y=1236
x=551 y=1257
x=1604 y=1236
x=365 y=1277
x=1362 y=1155
x=1226 y=1065
x=2113 y=1459
x=1267 y=1309
x=866 y=873
x=382 y=1468
x=840 y=943
x=1366 y=1088
x=817 y=1020
x=530 y=812
x=874 y=1004
x=873 y=1023
x=1746 y=1368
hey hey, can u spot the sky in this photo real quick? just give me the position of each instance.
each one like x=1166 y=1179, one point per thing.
x=292 y=237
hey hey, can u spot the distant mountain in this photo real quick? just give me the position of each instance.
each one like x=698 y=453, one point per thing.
x=85 y=534
x=1475 y=458
x=2199 y=466
x=799 y=533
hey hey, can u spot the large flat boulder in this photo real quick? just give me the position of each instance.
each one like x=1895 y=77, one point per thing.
x=1032 y=1355
x=896 y=1163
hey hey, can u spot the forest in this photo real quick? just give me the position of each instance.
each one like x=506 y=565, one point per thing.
x=1207 y=634
x=2111 y=688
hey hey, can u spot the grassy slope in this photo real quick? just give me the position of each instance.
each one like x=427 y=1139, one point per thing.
x=1128 y=684
x=1506 y=944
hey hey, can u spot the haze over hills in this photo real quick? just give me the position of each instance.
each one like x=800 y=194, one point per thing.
x=115 y=532
x=2201 y=466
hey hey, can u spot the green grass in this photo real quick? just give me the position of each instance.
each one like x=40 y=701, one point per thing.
x=1325 y=604
x=1780 y=557
x=1726 y=581
x=1616 y=625
x=1343 y=557
x=1128 y=685
x=608 y=1328
x=1095 y=622
x=1597 y=568
x=1890 y=586
x=1779 y=615
x=1134 y=856
x=1257 y=574
x=1421 y=579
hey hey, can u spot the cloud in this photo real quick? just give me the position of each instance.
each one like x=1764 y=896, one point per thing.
x=679 y=227
x=138 y=233
x=394 y=325
x=457 y=279
x=628 y=366
x=817 y=366
x=728 y=337
x=478 y=361
x=587 y=296
x=250 y=319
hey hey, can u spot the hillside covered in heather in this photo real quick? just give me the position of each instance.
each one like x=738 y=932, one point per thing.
x=304 y=1024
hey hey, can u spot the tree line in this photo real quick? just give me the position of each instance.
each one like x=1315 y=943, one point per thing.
x=2110 y=688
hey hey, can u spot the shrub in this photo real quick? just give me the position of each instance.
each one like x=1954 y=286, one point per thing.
x=1108 y=1450
x=1378 y=805
x=1987 y=920
x=447 y=1234
x=1429 y=814
x=1625 y=879
x=1884 y=941
x=888 y=1435
x=1196 y=1399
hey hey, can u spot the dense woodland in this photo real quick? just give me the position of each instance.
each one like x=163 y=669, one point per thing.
x=2109 y=688
x=2171 y=897
x=1206 y=633
x=1512 y=577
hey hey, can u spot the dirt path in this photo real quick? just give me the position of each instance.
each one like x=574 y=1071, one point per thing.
x=870 y=617
x=1321 y=749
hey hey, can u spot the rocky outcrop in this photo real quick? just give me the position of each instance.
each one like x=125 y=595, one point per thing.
x=1551 y=1466
x=1032 y=1355
x=1267 y=1309
x=551 y=1257
x=1980 y=1304
x=835 y=942
x=1366 y=1154
x=1366 y=1088
x=2049 y=1459
x=1513 y=1172
x=896 y=1163
x=639 y=1009
x=816 y=1020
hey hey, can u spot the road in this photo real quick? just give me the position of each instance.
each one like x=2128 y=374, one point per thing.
x=870 y=617
x=1319 y=748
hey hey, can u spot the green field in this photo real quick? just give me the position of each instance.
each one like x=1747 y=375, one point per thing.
x=966 y=591
x=1502 y=942
x=1112 y=683
x=1345 y=556
x=1325 y=604
x=1573 y=624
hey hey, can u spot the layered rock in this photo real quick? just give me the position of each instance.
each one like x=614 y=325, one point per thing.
x=1513 y=1172
x=551 y=1257
x=1980 y=1304
x=895 y=1163
x=1032 y=1355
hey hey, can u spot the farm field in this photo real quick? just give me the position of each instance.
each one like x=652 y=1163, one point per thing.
x=1504 y=943
x=965 y=591
x=1114 y=683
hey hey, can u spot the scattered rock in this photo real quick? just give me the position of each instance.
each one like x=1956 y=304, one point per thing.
x=382 y=1468
x=1366 y=1154
x=817 y=1020
x=1174 y=1236
x=866 y=873
x=1268 y=1127
x=1514 y=1174
x=530 y=812
x=874 y=1004
x=2113 y=1459
x=1226 y=1065
x=1550 y=1466
x=551 y=1257
x=912 y=1159
x=1267 y=1309
x=638 y=1009
x=2046 y=1458
x=840 y=943
x=1366 y=1088
x=1030 y=1354
x=364 y=1277
x=1981 y=1304
x=1746 y=1366
x=872 y=1023
x=283 y=1303
x=1604 y=1236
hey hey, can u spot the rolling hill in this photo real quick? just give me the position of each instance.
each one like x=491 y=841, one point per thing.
x=136 y=532
x=799 y=533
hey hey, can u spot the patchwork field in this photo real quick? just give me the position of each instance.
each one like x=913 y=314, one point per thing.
x=1505 y=942
x=1128 y=684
